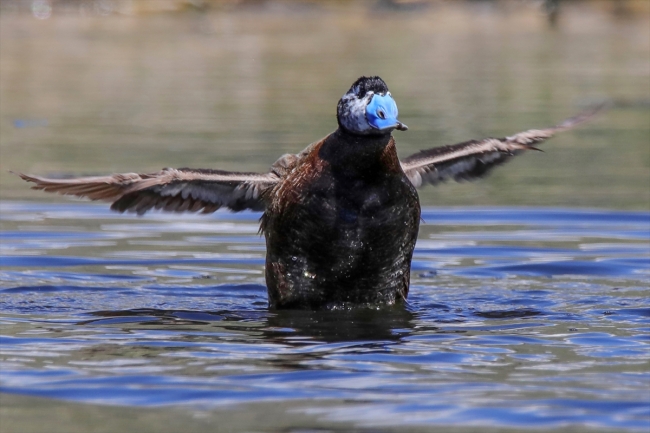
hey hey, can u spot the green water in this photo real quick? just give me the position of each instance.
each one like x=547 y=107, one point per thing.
x=235 y=89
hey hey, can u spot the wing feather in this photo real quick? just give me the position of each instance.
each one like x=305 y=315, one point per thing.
x=475 y=158
x=176 y=190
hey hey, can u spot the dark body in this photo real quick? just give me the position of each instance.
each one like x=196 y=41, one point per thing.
x=341 y=226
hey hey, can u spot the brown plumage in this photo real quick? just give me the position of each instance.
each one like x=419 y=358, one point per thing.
x=473 y=159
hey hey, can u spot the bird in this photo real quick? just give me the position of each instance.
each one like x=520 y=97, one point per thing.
x=340 y=218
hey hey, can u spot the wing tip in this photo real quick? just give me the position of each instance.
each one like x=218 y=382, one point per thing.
x=38 y=182
x=585 y=115
x=23 y=176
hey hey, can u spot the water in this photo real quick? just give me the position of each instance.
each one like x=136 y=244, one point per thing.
x=518 y=317
x=529 y=306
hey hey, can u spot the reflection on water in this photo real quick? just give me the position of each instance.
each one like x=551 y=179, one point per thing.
x=518 y=317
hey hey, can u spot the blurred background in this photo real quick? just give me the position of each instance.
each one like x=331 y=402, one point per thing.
x=101 y=86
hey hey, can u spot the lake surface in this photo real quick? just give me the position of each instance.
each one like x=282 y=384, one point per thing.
x=518 y=317
x=530 y=298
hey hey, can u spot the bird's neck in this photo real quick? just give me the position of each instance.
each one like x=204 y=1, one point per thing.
x=360 y=155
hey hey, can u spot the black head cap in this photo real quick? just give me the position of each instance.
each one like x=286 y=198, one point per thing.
x=368 y=84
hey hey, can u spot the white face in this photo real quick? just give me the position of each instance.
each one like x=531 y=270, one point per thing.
x=352 y=112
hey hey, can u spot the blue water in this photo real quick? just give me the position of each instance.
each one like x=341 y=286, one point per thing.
x=517 y=318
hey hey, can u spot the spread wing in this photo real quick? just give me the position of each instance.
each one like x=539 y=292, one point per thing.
x=473 y=159
x=177 y=190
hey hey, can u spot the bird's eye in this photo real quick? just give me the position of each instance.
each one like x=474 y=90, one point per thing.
x=381 y=114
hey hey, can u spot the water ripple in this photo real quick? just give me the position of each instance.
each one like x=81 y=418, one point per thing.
x=543 y=326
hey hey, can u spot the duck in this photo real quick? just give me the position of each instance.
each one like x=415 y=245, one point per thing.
x=340 y=218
